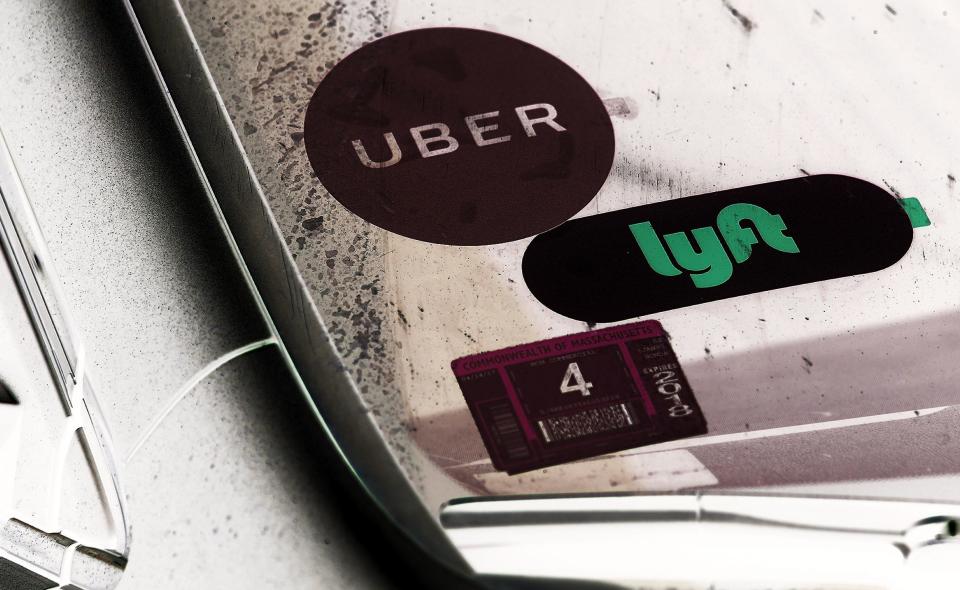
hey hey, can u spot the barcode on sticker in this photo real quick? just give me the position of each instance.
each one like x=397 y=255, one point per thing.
x=587 y=422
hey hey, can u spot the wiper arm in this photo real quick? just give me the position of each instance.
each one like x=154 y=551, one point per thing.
x=700 y=540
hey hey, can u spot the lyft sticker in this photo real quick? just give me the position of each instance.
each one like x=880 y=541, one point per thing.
x=706 y=259
x=667 y=255
x=458 y=136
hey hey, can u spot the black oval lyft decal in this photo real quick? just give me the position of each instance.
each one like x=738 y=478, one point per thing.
x=458 y=136
x=652 y=258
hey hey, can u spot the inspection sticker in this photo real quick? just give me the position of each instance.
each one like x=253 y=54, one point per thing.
x=578 y=396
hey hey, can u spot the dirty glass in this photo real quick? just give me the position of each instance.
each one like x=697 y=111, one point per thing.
x=839 y=382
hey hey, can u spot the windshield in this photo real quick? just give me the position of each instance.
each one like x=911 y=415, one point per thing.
x=806 y=328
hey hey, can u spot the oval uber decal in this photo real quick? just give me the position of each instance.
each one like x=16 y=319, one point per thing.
x=458 y=136
x=672 y=254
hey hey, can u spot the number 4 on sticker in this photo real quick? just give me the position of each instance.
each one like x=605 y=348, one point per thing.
x=573 y=381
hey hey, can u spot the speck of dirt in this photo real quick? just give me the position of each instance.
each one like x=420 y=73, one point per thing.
x=313 y=224
x=807 y=361
x=890 y=9
x=745 y=21
x=804 y=172
x=951 y=178
x=893 y=189
x=649 y=176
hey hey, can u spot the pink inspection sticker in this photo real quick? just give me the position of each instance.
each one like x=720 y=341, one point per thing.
x=578 y=396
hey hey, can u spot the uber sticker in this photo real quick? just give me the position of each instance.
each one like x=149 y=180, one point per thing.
x=458 y=136
x=652 y=258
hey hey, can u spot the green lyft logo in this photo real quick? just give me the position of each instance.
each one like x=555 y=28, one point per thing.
x=709 y=263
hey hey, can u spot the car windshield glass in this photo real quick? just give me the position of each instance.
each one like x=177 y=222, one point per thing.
x=692 y=326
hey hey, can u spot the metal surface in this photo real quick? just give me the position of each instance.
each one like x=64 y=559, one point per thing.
x=59 y=463
x=712 y=540
x=220 y=495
